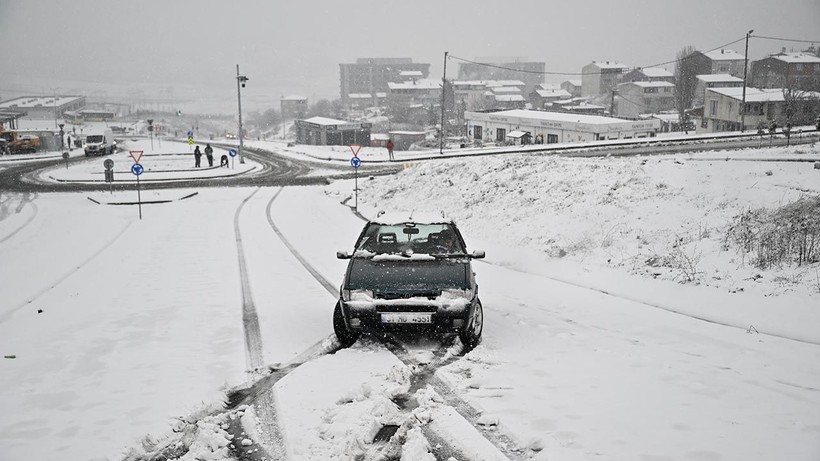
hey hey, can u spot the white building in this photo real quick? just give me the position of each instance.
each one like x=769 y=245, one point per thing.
x=554 y=127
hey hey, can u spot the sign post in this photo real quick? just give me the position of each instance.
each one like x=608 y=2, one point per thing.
x=356 y=162
x=137 y=170
x=232 y=153
x=190 y=139
x=65 y=157
x=109 y=173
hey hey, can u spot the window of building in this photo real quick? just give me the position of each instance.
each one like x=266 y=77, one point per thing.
x=713 y=107
x=500 y=134
x=477 y=132
x=552 y=138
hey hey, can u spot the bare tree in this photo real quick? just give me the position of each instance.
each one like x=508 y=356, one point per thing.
x=685 y=82
x=800 y=107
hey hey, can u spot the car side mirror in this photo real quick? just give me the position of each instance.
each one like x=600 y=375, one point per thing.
x=342 y=255
x=477 y=254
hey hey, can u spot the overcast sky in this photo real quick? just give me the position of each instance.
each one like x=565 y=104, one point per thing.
x=295 y=47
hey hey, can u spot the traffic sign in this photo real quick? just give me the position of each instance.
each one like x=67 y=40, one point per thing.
x=355 y=148
x=190 y=134
x=137 y=169
x=108 y=164
x=355 y=162
x=135 y=154
x=232 y=152
x=190 y=141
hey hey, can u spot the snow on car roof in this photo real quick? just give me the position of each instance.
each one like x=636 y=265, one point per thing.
x=397 y=217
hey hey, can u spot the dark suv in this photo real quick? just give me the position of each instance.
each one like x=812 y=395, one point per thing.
x=409 y=272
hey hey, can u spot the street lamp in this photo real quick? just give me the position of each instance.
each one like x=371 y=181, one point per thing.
x=745 y=69
x=240 y=81
x=62 y=137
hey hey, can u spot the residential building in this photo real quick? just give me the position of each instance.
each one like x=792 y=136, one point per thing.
x=601 y=77
x=722 y=109
x=718 y=62
x=542 y=97
x=649 y=74
x=504 y=68
x=799 y=71
x=553 y=127
x=293 y=107
x=324 y=131
x=573 y=87
x=370 y=76
x=707 y=81
x=640 y=97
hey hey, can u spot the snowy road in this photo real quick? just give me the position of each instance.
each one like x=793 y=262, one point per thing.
x=141 y=322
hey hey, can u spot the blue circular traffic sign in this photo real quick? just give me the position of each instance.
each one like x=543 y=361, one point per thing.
x=137 y=169
x=190 y=134
x=232 y=152
x=355 y=162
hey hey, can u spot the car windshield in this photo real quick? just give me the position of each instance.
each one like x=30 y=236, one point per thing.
x=94 y=138
x=411 y=238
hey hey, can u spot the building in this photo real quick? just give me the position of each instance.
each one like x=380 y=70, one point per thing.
x=718 y=62
x=531 y=73
x=601 y=77
x=554 y=127
x=722 y=109
x=321 y=131
x=424 y=92
x=293 y=107
x=573 y=87
x=642 y=97
x=541 y=97
x=649 y=74
x=787 y=70
x=44 y=107
x=369 y=76
x=707 y=81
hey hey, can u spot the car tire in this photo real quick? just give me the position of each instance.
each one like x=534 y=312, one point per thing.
x=346 y=337
x=471 y=334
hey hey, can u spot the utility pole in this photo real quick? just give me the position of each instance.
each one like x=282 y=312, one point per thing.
x=745 y=70
x=443 y=88
x=240 y=80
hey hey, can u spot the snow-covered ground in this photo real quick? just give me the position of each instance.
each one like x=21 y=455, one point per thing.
x=116 y=327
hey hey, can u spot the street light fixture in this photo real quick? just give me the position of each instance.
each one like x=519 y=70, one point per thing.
x=745 y=70
x=240 y=81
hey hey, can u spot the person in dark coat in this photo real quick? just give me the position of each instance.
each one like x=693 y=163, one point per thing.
x=390 y=146
x=209 y=152
x=197 y=157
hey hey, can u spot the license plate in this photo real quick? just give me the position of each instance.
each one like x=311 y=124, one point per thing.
x=406 y=317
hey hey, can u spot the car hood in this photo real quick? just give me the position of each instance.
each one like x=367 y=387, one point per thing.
x=397 y=276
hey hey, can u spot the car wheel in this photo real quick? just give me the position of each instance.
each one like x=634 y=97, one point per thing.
x=345 y=337
x=471 y=334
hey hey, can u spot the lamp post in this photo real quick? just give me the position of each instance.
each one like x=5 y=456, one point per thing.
x=240 y=81
x=745 y=70
x=62 y=137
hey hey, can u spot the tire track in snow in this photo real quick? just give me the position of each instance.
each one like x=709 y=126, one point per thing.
x=250 y=320
x=5 y=316
x=4 y=213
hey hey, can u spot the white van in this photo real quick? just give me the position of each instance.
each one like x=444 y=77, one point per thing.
x=100 y=143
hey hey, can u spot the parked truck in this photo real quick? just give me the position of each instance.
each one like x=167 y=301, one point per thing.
x=19 y=143
x=100 y=143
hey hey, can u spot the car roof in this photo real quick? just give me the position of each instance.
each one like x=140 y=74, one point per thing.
x=420 y=217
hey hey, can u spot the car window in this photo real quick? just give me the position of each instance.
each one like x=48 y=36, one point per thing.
x=418 y=238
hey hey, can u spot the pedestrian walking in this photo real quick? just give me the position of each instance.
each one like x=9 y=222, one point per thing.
x=197 y=157
x=209 y=152
x=390 y=146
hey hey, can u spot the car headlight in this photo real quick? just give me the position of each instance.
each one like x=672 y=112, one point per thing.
x=351 y=295
x=452 y=293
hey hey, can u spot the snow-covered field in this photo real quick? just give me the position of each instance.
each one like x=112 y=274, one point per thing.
x=116 y=327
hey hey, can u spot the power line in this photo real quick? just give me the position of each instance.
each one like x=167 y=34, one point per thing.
x=524 y=71
x=785 y=39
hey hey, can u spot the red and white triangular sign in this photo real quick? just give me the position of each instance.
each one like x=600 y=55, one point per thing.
x=355 y=148
x=136 y=155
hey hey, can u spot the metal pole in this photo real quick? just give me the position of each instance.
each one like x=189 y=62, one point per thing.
x=139 y=197
x=443 y=87
x=239 y=102
x=745 y=70
x=356 y=191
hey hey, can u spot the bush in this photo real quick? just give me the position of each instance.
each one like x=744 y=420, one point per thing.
x=789 y=234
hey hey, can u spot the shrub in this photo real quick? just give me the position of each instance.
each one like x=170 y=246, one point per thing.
x=789 y=234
